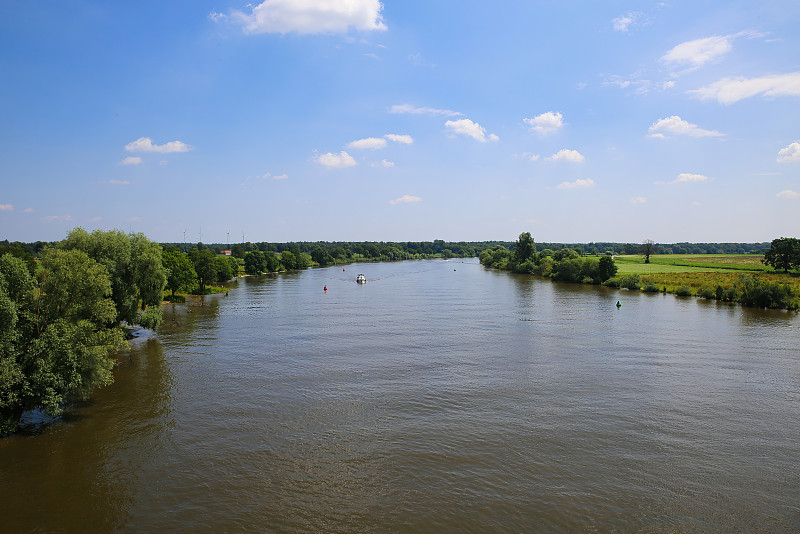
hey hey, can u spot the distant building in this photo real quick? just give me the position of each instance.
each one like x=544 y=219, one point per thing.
x=226 y=252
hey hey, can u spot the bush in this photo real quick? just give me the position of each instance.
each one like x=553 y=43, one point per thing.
x=684 y=291
x=630 y=281
x=650 y=287
x=612 y=282
x=705 y=292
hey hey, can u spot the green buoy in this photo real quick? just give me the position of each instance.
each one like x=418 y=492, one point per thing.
x=618 y=304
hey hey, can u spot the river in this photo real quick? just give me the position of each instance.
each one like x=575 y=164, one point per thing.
x=437 y=397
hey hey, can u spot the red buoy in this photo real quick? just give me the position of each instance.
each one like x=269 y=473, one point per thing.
x=326 y=288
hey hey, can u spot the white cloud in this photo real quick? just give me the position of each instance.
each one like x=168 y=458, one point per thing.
x=638 y=200
x=730 y=90
x=119 y=182
x=371 y=143
x=624 y=22
x=567 y=155
x=58 y=218
x=633 y=81
x=6 y=207
x=402 y=139
x=95 y=219
x=546 y=123
x=406 y=199
x=470 y=129
x=577 y=184
x=414 y=110
x=306 y=16
x=269 y=176
x=686 y=178
x=131 y=160
x=694 y=54
x=387 y=163
x=677 y=126
x=280 y=176
x=788 y=193
x=790 y=153
x=145 y=144
x=27 y=210
x=336 y=161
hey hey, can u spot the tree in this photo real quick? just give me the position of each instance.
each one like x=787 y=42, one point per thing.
x=783 y=253
x=648 y=247
x=204 y=266
x=606 y=268
x=134 y=266
x=180 y=271
x=237 y=251
x=525 y=247
x=254 y=262
x=56 y=335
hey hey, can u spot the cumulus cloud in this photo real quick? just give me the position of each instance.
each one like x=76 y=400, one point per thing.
x=6 y=207
x=371 y=143
x=406 y=199
x=402 y=139
x=730 y=90
x=145 y=144
x=387 y=163
x=638 y=200
x=545 y=123
x=677 y=126
x=567 y=155
x=336 y=161
x=788 y=193
x=790 y=153
x=686 y=178
x=470 y=129
x=307 y=17
x=694 y=54
x=131 y=160
x=577 y=184
x=409 y=109
x=118 y=182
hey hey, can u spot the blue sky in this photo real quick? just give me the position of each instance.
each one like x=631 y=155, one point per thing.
x=301 y=120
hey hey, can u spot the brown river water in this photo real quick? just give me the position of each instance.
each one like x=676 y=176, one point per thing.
x=437 y=397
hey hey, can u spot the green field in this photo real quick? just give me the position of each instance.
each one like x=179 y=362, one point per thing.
x=689 y=263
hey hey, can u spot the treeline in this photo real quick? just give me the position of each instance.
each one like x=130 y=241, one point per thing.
x=564 y=265
x=62 y=317
x=337 y=252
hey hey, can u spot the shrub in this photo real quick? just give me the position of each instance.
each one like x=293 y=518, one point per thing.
x=705 y=292
x=650 y=287
x=612 y=282
x=630 y=281
x=684 y=291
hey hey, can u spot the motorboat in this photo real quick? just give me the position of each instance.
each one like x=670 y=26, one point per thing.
x=361 y=279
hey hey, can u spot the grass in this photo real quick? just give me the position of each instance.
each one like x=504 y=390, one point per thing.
x=692 y=274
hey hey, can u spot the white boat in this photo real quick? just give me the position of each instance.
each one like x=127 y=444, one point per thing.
x=361 y=279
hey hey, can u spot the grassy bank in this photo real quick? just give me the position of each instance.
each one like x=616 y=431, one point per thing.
x=728 y=277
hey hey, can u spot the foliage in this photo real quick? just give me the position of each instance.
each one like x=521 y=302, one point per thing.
x=525 y=248
x=254 y=262
x=180 y=271
x=205 y=266
x=56 y=333
x=133 y=264
x=784 y=253
x=647 y=249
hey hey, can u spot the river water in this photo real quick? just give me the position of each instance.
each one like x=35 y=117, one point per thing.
x=438 y=397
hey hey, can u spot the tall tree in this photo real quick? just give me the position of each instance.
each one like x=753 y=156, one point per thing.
x=180 y=271
x=647 y=249
x=783 y=253
x=204 y=266
x=525 y=247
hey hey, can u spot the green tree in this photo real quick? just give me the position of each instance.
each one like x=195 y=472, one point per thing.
x=237 y=251
x=179 y=269
x=525 y=248
x=204 y=266
x=133 y=264
x=254 y=262
x=783 y=253
x=56 y=338
x=606 y=268
x=288 y=260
